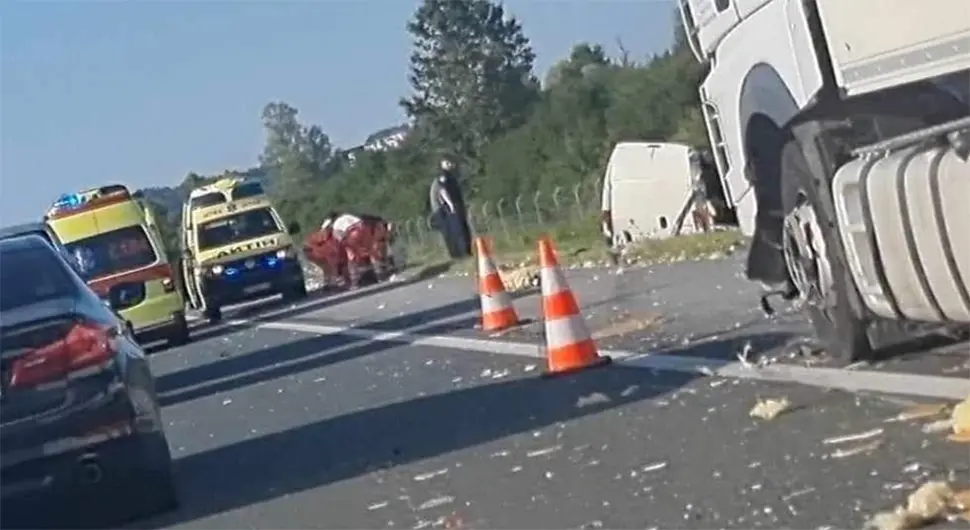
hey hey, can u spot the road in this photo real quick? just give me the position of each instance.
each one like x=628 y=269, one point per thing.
x=385 y=408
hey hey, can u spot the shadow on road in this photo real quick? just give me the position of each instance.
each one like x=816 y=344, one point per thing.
x=314 y=455
x=310 y=352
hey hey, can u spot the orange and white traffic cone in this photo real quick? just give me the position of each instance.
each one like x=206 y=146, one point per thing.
x=497 y=311
x=569 y=345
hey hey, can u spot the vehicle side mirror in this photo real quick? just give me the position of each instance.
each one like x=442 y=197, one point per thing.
x=293 y=228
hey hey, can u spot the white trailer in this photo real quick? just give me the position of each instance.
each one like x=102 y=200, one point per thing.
x=841 y=134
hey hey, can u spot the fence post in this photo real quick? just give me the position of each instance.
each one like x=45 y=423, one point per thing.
x=535 y=202
x=500 y=211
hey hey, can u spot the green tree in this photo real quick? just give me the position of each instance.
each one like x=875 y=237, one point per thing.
x=471 y=73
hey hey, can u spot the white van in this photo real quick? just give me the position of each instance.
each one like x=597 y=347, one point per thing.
x=649 y=189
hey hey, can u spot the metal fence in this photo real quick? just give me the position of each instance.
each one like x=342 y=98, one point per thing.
x=512 y=220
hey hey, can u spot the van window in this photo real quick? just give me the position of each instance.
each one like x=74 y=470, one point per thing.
x=112 y=252
x=249 y=189
x=32 y=274
x=236 y=228
x=209 y=199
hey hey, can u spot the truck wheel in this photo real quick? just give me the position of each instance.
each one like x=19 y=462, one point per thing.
x=816 y=260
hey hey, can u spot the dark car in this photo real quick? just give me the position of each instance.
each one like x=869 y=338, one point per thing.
x=81 y=431
x=39 y=229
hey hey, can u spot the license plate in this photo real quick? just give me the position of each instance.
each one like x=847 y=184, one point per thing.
x=256 y=288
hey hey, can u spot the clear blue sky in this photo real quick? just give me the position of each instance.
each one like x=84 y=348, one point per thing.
x=144 y=92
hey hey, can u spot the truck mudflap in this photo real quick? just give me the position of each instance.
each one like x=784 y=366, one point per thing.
x=905 y=224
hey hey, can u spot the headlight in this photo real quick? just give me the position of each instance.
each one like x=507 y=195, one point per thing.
x=217 y=269
x=284 y=253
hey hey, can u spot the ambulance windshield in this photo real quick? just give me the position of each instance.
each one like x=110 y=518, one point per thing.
x=237 y=228
x=112 y=252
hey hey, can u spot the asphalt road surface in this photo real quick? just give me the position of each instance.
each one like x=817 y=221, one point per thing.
x=385 y=408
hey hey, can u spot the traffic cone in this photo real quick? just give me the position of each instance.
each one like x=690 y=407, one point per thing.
x=569 y=345
x=497 y=311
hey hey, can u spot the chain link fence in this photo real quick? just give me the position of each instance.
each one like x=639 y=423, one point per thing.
x=510 y=221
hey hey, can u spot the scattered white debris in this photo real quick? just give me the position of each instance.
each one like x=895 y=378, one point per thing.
x=543 y=451
x=919 y=411
x=499 y=374
x=381 y=306
x=437 y=501
x=857 y=450
x=529 y=368
x=769 y=409
x=853 y=437
x=226 y=401
x=428 y=476
x=549 y=475
x=486 y=372
x=596 y=398
x=500 y=453
x=377 y=506
x=654 y=467
x=938 y=426
x=630 y=390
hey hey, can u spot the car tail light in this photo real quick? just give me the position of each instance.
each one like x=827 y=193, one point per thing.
x=84 y=346
x=168 y=285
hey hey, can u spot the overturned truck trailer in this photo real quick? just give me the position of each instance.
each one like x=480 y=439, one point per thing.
x=841 y=132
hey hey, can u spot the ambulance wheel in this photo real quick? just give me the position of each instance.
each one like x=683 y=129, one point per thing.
x=297 y=291
x=213 y=313
x=180 y=330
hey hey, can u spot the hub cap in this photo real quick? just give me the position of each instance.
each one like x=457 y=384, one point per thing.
x=805 y=255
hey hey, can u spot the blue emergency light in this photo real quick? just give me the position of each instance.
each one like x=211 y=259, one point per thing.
x=69 y=201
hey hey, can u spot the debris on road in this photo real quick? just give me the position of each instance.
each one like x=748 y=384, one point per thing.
x=960 y=418
x=920 y=411
x=932 y=502
x=596 y=398
x=769 y=409
x=853 y=437
x=867 y=447
x=430 y=475
x=522 y=278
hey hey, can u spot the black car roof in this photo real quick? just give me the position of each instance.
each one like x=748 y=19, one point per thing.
x=22 y=229
x=23 y=241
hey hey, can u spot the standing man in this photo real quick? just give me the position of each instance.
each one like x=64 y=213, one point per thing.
x=449 y=213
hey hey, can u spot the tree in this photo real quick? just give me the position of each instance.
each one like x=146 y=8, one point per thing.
x=471 y=73
x=283 y=133
x=297 y=153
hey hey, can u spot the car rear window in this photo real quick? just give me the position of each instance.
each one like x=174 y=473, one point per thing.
x=237 y=228
x=112 y=252
x=32 y=274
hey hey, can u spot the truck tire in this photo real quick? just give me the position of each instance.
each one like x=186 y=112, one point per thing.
x=833 y=302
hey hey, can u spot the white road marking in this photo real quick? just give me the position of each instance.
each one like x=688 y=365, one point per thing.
x=855 y=380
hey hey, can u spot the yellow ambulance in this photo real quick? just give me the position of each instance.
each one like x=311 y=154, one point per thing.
x=235 y=247
x=118 y=250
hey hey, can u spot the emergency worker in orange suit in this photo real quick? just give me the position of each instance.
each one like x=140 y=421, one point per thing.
x=354 y=243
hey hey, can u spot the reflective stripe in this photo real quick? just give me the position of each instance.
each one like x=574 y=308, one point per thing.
x=495 y=302
x=553 y=280
x=565 y=331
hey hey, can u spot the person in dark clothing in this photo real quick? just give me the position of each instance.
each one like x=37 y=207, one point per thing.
x=449 y=214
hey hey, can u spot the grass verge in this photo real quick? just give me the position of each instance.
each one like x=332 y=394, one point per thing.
x=579 y=243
